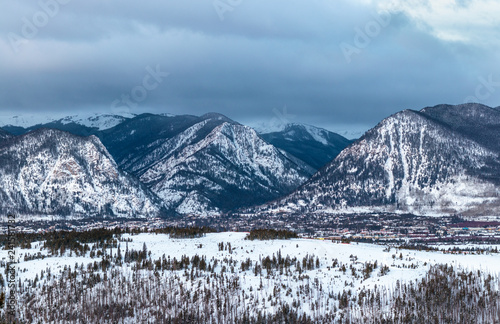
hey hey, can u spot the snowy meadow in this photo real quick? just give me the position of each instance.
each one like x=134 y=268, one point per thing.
x=225 y=278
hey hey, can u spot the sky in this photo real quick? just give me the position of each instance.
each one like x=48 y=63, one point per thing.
x=343 y=65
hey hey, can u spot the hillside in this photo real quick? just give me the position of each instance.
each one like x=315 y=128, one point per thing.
x=313 y=145
x=48 y=173
x=442 y=160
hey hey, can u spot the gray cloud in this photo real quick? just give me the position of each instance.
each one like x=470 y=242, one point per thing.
x=263 y=56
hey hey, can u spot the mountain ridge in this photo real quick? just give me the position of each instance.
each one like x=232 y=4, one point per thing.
x=407 y=163
x=313 y=145
x=82 y=124
x=148 y=141
x=230 y=161
x=440 y=160
x=54 y=173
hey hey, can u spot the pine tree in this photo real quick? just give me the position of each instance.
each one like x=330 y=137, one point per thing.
x=127 y=254
x=144 y=250
x=119 y=254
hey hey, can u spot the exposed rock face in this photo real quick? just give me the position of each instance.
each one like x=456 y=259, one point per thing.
x=50 y=172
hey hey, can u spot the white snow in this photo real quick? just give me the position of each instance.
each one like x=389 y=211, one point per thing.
x=26 y=120
x=242 y=249
x=322 y=282
x=89 y=119
x=100 y=121
x=317 y=133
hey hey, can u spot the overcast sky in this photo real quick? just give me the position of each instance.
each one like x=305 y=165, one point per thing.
x=331 y=63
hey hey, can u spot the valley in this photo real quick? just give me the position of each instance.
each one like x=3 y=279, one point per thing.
x=145 y=218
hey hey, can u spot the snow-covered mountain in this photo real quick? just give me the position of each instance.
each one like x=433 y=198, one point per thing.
x=98 y=121
x=441 y=160
x=54 y=173
x=81 y=124
x=192 y=162
x=203 y=165
x=26 y=120
x=315 y=146
x=275 y=125
x=479 y=122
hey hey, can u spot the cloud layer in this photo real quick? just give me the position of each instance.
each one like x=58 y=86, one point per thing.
x=337 y=64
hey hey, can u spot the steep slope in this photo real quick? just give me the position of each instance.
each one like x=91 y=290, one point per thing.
x=410 y=162
x=476 y=121
x=215 y=165
x=313 y=145
x=50 y=172
x=135 y=138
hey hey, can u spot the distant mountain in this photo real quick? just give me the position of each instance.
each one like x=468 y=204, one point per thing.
x=83 y=125
x=98 y=121
x=276 y=126
x=54 y=173
x=25 y=121
x=203 y=165
x=441 y=160
x=315 y=146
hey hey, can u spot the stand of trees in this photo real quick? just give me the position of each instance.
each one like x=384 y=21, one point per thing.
x=270 y=234
x=109 y=295
x=123 y=285
x=185 y=232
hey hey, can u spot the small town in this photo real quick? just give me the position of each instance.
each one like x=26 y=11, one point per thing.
x=373 y=228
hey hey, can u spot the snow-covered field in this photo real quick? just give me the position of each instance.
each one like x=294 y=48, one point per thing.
x=325 y=250
x=310 y=289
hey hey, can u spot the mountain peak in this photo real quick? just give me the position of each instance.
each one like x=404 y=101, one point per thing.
x=52 y=172
x=464 y=113
x=478 y=122
x=313 y=145
x=216 y=116
x=411 y=162
x=216 y=165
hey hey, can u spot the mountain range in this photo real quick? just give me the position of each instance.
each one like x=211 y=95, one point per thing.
x=441 y=160
x=203 y=165
x=197 y=165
